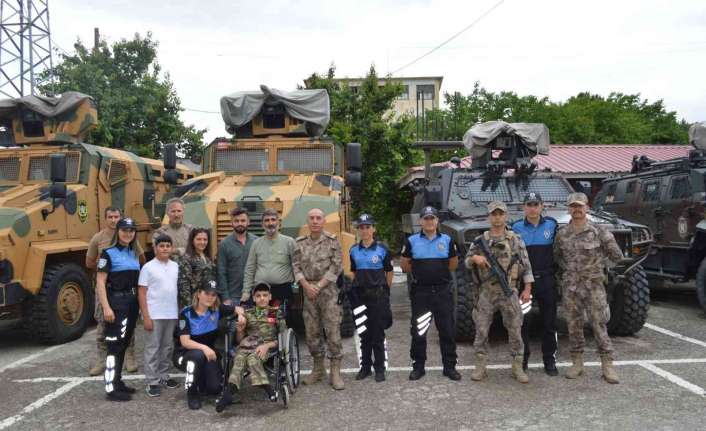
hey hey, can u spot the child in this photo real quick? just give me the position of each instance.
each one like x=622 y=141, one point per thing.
x=157 y=294
x=256 y=335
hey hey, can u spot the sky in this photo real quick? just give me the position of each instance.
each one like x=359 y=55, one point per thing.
x=546 y=48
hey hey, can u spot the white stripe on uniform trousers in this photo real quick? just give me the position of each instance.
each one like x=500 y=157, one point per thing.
x=359 y=321
x=109 y=374
x=189 y=379
x=359 y=309
x=424 y=316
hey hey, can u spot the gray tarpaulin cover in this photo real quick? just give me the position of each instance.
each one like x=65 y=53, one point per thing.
x=49 y=107
x=306 y=105
x=697 y=135
x=534 y=135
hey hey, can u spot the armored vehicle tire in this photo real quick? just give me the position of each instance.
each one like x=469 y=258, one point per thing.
x=347 y=321
x=63 y=308
x=701 y=284
x=465 y=301
x=631 y=301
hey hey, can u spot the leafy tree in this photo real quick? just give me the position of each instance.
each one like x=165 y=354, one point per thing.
x=138 y=108
x=365 y=116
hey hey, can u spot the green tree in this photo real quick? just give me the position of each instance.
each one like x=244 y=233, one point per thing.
x=365 y=116
x=138 y=108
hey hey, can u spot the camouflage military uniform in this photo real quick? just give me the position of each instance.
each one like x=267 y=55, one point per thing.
x=314 y=260
x=261 y=327
x=508 y=249
x=179 y=236
x=193 y=271
x=582 y=260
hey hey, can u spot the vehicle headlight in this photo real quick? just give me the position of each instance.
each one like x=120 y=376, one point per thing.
x=641 y=234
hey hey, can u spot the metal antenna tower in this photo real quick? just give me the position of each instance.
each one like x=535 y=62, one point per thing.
x=25 y=45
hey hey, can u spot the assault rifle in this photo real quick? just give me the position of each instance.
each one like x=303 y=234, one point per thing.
x=495 y=268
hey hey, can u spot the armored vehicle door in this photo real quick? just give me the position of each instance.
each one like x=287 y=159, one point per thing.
x=652 y=210
x=113 y=179
x=680 y=215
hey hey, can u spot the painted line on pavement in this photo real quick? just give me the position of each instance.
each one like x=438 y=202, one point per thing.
x=675 y=335
x=34 y=356
x=698 y=390
x=39 y=403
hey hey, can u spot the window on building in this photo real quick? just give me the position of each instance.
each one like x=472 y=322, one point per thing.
x=680 y=188
x=425 y=92
x=354 y=89
x=651 y=191
x=405 y=93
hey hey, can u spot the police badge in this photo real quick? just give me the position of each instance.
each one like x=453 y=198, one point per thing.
x=102 y=262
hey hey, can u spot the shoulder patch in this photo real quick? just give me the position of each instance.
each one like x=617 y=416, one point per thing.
x=182 y=324
x=102 y=262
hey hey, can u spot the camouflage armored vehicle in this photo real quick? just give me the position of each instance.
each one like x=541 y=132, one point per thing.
x=277 y=158
x=668 y=196
x=502 y=169
x=53 y=190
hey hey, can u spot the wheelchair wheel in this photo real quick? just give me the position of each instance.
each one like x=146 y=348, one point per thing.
x=292 y=360
x=285 y=396
x=277 y=374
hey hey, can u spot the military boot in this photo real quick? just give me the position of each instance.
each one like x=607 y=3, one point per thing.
x=576 y=368
x=336 y=380
x=130 y=362
x=609 y=373
x=318 y=373
x=481 y=363
x=517 y=372
x=98 y=367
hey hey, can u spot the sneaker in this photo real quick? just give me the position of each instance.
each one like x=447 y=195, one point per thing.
x=122 y=387
x=193 y=400
x=170 y=383
x=379 y=376
x=271 y=394
x=118 y=396
x=363 y=373
x=224 y=401
x=416 y=374
x=452 y=374
x=153 y=390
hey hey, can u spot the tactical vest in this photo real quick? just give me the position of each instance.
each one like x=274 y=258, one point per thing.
x=505 y=252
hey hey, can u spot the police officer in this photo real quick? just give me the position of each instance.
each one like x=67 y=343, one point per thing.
x=509 y=251
x=431 y=257
x=116 y=282
x=537 y=232
x=582 y=250
x=372 y=268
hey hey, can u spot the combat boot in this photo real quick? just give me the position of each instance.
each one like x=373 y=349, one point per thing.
x=336 y=380
x=517 y=372
x=130 y=362
x=576 y=368
x=318 y=373
x=479 y=373
x=98 y=367
x=609 y=373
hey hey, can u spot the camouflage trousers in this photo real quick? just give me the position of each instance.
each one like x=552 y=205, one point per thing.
x=100 y=331
x=589 y=296
x=247 y=360
x=490 y=300
x=322 y=320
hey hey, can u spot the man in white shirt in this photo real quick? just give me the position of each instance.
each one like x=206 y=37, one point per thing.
x=157 y=294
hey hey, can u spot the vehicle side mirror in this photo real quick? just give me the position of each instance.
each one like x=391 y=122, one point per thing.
x=57 y=191
x=170 y=157
x=354 y=165
x=57 y=168
x=171 y=176
x=354 y=179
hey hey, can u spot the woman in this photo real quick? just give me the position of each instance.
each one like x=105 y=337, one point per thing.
x=116 y=283
x=195 y=265
x=196 y=354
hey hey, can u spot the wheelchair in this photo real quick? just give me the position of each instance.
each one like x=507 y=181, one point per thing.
x=282 y=365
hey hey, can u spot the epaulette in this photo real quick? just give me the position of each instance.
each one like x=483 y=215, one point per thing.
x=300 y=238
x=329 y=235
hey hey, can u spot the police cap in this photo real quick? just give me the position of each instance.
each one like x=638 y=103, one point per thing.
x=429 y=211
x=127 y=223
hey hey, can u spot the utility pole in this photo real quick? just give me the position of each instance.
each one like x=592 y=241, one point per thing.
x=96 y=39
x=25 y=45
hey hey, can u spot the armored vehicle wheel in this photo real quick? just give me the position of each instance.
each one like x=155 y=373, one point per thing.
x=347 y=321
x=631 y=301
x=62 y=309
x=465 y=301
x=701 y=284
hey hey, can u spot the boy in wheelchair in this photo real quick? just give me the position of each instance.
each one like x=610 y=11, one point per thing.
x=256 y=337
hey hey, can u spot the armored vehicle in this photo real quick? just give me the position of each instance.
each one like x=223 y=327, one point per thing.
x=668 y=196
x=53 y=191
x=277 y=158
x=502 y=169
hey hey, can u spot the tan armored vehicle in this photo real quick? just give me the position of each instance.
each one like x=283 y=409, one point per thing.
x=53 y=191
x=277 y=159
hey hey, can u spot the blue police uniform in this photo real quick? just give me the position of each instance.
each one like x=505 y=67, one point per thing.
x=431 y=296
x=202 y=376
x=123 y=270
x=539 y=240
x=371 y=265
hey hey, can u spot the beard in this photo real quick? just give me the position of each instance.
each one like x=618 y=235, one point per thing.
x=240 y=229
x=270 y=230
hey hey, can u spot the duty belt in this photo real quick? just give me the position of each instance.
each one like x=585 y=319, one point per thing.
x=542 y=274
x=124 y=292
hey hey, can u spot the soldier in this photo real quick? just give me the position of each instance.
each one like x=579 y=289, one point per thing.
x=177 y=230
x=537 y=233
x=317 y=264
x=581 y=249
x=98 y=243
x=232 y=256
x=431 y=258
x=372 y=271
x=196 y=265
x=509 y=251
x=270 y=260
